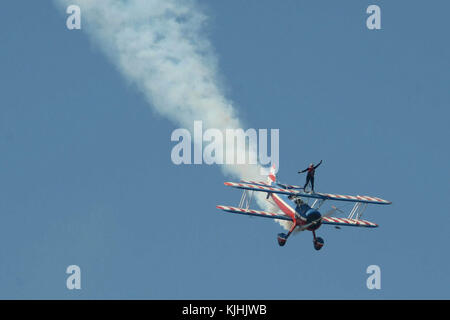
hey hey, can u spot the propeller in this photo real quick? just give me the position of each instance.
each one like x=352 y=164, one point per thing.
x=327 y=214
x=341 y=211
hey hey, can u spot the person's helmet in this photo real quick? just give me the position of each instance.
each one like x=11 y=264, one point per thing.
x=311 y=164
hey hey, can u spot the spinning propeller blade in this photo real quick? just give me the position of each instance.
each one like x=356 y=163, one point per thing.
x=327 y=214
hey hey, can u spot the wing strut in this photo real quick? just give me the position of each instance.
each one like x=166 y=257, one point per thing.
x=357 y=210
x=246 y=199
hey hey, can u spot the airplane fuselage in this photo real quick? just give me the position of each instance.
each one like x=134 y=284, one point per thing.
x=302 y=213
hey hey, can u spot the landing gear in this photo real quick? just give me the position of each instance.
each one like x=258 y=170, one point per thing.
x=282 y=237
x=317 y=242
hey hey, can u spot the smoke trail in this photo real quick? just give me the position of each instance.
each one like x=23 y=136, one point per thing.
x=160 y=47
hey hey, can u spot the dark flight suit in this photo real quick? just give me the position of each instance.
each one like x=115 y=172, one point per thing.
x=310 y=176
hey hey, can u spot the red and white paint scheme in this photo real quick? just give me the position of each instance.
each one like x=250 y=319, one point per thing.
x=292 y=204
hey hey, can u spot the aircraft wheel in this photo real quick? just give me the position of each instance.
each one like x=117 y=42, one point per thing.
x=281 y=239
x=318 y=243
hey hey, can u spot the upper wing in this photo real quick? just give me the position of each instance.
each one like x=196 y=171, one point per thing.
x=259 y=187
x=348 y=222
x=258 y=183
x=265 y=184
x=257 y=213
x=323 y=196
x=339 y=197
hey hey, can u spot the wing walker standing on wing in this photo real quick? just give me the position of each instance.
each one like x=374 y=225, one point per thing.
x=294 y=207
x=310 y=176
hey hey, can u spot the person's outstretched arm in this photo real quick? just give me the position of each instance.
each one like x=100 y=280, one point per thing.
x=303 y=170
x=318 y=164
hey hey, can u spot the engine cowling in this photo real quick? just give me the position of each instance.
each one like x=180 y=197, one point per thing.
x=311 y=216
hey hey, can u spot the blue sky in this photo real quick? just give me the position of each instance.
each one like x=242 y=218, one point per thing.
x=86 y=176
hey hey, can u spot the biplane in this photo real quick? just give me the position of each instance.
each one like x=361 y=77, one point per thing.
x=292 y=204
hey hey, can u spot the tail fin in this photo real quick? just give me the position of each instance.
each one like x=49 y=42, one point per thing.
x=272 y=178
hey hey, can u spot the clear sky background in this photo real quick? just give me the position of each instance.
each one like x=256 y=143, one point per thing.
x=86 y=176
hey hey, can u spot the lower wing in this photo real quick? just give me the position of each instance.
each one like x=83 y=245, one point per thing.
x=348 y=222
x=256 y=213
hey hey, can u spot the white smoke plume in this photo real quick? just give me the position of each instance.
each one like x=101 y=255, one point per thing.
x=161 y=48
